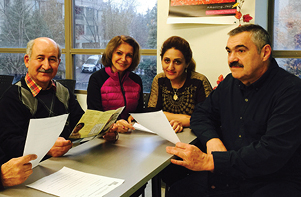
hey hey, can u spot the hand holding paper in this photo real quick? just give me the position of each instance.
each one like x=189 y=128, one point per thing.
x=60 y=147
x=158 y=123
x=42 y=134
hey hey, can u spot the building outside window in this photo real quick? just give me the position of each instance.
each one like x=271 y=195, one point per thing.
x=83 y=29
x=286 y=34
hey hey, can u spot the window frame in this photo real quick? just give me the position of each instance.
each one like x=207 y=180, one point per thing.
x=69 y=51
x=278 y=53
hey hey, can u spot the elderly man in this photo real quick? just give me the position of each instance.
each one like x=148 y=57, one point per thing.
x=36 y=96
x=250 y=125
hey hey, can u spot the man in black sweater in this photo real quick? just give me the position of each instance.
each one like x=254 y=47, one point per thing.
x=250 y=125
x=36 y=96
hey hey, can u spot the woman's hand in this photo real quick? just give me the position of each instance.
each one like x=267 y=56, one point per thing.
x=112 y=134
x=176 y=125
x=130 y=119
x=124 y=127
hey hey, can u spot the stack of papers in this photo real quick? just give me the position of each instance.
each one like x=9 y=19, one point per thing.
x=68 y=182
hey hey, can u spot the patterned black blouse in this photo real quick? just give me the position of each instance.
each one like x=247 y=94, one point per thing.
x=179 y=101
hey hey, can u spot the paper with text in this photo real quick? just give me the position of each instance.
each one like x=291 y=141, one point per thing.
x=42 y=134
x=94 y=123
x=68 y=182
x=158 y=123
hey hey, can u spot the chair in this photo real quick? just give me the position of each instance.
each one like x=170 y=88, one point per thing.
x=68 y=83
x=145 y=99
x=5 y=83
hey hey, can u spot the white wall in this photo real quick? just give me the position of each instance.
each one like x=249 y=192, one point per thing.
x=208 y=42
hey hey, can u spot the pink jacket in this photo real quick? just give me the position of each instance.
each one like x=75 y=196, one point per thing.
x=115 y=93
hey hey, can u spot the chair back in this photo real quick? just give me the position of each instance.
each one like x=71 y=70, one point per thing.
x=5 y=83
x=68 y=83
x=145 y=99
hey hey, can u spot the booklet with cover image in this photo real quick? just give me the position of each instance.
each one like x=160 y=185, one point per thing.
x=94 y=123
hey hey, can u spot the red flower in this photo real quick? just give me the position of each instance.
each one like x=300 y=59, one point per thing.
x=238 y=15
x=247 y=18
x=220 y=79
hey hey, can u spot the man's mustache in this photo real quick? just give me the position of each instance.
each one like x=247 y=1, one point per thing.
x=236 y=64
x=45 y=71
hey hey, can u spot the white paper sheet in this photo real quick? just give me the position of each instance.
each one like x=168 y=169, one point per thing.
x=139 y=127
x=42 y=134
x=158 y=123
x=68 y=182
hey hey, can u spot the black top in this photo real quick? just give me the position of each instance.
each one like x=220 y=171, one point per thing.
x=260 y=125
x=2 y=161
x=15 y=116
x=178 y=101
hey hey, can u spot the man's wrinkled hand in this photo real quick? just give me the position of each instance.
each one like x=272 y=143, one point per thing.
x=60 y=147
x=16 y=170
x=215 y=144
x=192 y=157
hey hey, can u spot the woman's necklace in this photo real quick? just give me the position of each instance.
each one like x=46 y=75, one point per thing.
x=175 y=96
x=175 y=90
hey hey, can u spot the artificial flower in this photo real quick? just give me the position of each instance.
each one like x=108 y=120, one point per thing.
x=241 y=18
x=247 y=18
x=238 y=15
x=219 y=79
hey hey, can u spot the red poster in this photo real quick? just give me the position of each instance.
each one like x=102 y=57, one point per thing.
x=201 y=8
x=198 y=2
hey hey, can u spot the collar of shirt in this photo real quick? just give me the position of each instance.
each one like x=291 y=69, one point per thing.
x=257 y=84
x=35 y=89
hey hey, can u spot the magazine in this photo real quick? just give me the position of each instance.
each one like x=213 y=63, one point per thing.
x=94 y=123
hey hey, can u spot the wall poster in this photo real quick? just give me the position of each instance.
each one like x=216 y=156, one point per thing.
x=202 y=11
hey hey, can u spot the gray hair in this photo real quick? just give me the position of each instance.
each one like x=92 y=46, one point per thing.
x=259 y=36
x=30 y=46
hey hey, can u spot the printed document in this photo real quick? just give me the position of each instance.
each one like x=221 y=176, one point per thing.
x=42 y=134
x=158 y=123
x=94 y=123
x=68 y=182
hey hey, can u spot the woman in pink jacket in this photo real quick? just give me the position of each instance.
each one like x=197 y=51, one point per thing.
x=116 y=85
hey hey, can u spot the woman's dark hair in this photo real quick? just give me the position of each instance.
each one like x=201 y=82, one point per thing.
x=182 y=45
x=114 y=43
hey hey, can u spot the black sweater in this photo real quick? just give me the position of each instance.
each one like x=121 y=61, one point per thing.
x=15 y=116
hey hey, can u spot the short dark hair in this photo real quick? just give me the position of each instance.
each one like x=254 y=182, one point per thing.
x=259 y=35
x=182 y=45
x=114 y=43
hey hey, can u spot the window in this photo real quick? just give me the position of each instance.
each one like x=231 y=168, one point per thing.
x=105 y=19
x=82 y=27
x=286 y=34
